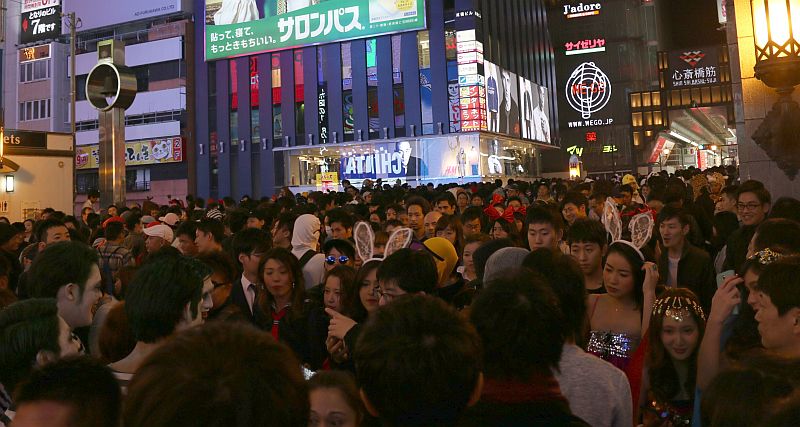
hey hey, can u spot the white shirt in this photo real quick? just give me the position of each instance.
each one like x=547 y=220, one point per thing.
x=672 y=278
x=249 y=292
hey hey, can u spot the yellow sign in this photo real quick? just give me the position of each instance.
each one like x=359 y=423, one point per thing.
x=327 y=181
x=148 y=152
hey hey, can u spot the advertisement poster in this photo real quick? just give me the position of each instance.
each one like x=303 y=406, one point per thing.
x=455 y=106
x=502 y=100
x=239 y=27
x=40 y=24
x=152 y=152
x=404 y=159
x=534 y=113
x=492 y=95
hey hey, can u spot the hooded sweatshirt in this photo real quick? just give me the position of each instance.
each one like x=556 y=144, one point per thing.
x=305 y=237
x=444 y=255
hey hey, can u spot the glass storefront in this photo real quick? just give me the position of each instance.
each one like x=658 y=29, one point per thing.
x=454 y=158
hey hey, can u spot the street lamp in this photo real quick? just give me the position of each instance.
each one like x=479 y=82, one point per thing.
x=776 y=30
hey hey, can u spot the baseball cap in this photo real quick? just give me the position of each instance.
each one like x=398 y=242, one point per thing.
x=147 y=219
x=170 y=219
x=628 y=179
x=160 y=230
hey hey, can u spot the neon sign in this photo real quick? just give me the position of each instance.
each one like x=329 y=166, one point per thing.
x=582 y=10
x=588 y=89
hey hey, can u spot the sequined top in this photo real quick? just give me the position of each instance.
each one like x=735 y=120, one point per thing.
x=614 y=348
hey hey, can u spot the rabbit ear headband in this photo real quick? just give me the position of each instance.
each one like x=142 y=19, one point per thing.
x=641 y=227
x=365 y=241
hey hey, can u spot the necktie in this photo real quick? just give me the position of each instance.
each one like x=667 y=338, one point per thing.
x=254 y=289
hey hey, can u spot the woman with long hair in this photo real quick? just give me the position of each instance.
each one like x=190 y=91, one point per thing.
x=619 y=319
x=676 y=329
x=282 y=300
x=451 y=228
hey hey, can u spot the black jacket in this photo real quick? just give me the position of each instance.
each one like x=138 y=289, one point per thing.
x=525 y=414
x=695 y=271
x=238 y=299
x=736 y=252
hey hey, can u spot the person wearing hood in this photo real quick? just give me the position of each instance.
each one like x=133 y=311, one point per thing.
x=305 y=246
x=450 y=286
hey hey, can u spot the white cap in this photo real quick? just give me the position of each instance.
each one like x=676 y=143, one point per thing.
x=160 y=230
x=170 y=219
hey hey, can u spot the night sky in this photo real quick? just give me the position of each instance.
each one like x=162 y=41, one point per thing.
x=690 y=23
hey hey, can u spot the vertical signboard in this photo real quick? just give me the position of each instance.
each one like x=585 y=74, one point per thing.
x=471 y=84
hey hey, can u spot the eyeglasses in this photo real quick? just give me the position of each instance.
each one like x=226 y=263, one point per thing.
x=332 y=259
x=748 y=206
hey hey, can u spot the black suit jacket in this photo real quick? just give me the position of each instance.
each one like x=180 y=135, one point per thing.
x=239 y=299
x=416 y=167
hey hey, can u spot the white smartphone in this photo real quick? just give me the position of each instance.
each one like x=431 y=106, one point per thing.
x=721 y=278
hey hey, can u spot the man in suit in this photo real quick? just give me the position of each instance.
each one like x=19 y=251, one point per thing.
x=413 y=166
x=509 y=110
x=249 y=245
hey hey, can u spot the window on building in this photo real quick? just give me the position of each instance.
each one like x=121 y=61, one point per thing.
x=397 y=87
x=86 y=182
x=347 y=92
x=299 y=97
x=234 y=103
x=255 y=129
x=137 y=179
x=277 y=120
x=425 y=91
x=34 y=70
x=373 y=113
x=34 y=110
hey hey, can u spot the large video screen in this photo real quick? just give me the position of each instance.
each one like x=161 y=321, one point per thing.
x=239 y=27
x=534 y=111
x=502 y=100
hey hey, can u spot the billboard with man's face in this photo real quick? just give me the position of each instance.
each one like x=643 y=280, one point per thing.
x=239 y=27
x=534 y=112
x=502 y=100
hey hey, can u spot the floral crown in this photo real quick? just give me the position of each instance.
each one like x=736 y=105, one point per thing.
x=678 y=308
x=765 y=256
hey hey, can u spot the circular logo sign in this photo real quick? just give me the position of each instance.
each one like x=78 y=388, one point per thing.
x=588 y=89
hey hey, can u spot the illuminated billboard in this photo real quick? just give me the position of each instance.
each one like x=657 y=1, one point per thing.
x=239 y=27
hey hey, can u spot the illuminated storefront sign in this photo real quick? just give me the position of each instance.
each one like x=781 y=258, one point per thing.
x=149 y=152
x=693 y=68
x=235 y=28
x=581 y=47
x=591 y=136
x=575 y=150
x=580 y=10
x=471 y=82
x=588 y=91
x=34 y=53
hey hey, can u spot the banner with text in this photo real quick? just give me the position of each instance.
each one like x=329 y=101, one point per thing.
x=152 y=152
x=238 y=27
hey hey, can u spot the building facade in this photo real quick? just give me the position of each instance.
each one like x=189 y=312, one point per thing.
x=159 y=37
x=456 y=90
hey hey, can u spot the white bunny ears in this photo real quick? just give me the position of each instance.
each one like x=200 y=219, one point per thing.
x=365 y=241
x=641 y=227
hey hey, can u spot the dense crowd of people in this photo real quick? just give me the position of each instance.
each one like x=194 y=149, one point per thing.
x=660 y=300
